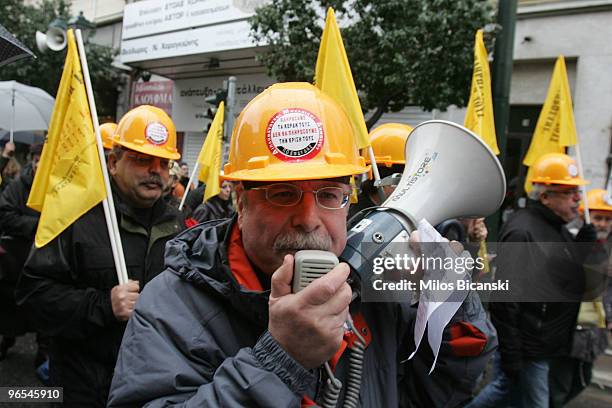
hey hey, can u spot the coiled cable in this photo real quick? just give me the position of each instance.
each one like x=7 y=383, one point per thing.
x=353 y=386
x=331 y=393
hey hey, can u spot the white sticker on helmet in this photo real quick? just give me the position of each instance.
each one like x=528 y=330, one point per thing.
x=156 y=133
x=295 y=135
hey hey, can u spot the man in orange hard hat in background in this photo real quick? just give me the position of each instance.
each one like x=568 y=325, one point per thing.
x=71 y=285
x=222 y=326
x=544 y=264
x=569 y=376
x=107 y=132
x=388 y=143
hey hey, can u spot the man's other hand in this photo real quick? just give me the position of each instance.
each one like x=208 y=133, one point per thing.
x=309 y=325
x=123 y=299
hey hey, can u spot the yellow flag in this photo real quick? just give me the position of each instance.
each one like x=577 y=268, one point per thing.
x=333 y=76
x=68 y=181
x=556 y=128
x=210 y=155
x=479 y=116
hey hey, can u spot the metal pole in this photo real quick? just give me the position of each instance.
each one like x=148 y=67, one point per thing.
x=230 y=111
x=502 y=75
x=12 y=114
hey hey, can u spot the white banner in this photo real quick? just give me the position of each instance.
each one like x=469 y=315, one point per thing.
x=222 y=37
x=189 y=108
x=153 y=17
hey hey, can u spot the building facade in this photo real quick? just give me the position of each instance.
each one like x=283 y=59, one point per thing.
x=196 y=44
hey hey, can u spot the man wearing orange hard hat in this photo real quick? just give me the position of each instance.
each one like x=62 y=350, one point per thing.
x=544 y=264
x=71 y=283
x=107 y=131
x=222 y=327
x=388 y=143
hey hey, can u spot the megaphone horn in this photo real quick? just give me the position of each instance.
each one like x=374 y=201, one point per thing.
x=54 y=39
x=450 y=172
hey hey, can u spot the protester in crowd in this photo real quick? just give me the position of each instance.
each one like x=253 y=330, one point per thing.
x=184 y=176
x=216 y=207
x=542 y=261
x=71 y=284
x=175 y=188
x=388 y=143
x=572 y=374
x=9 y=167
x=18 y=225
x=220 y=327
x=472 y=234
x=195 y=197
x=11 y=170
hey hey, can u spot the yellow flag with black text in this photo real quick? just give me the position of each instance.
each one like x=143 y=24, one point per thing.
x=209 y=158
x=555 y=129
x=68 y=181
x=479 y=116
x=333 y=76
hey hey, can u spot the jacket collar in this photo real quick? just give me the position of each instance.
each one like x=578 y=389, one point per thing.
x=546 y=213
x=201 y=256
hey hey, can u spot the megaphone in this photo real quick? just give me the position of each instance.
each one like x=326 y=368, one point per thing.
x=450 y=172
x=55 y=39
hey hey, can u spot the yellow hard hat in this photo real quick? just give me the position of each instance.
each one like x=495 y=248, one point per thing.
x=556 y=168
x=292 y=131
x=598 y=200
x=149 y=130
x=107 y=131
x=388 y=143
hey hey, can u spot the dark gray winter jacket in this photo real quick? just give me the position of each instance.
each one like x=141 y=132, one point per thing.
x=198 y=339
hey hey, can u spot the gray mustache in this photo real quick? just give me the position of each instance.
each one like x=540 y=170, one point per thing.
x=295 y=240
x=153 y=180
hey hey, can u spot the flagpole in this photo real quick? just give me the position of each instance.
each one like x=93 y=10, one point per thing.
x=376 y=174
x=108 y=204
x=189 y=183
x=585 y=202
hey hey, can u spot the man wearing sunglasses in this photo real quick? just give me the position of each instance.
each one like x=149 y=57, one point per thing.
x=71 y=283
x=221 y=326
x=540 y=256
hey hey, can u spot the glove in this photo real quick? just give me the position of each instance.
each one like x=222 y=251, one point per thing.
x=587 y=234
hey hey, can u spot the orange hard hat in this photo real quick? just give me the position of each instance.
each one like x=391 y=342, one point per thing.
x=149 y=130
x=292 y=131
x=389 y=143
x=556 y=168
x=107 y=131
x=598 y=199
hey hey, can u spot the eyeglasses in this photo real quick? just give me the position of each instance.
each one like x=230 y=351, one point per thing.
x=146 y=161
x=286 y=195
x=564 y=193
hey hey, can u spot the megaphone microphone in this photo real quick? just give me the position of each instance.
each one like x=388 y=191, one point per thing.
x=450 y=172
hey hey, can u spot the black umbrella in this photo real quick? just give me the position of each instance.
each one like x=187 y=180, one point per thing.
x=11 y=49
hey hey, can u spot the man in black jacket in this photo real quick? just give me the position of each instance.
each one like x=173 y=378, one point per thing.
x=544 y=265
x=71 y=284
x=17 y=228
